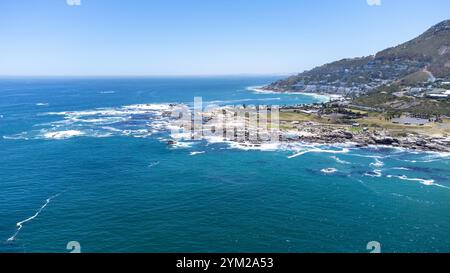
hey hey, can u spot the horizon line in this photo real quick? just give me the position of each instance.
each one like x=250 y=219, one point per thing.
x=144 y=75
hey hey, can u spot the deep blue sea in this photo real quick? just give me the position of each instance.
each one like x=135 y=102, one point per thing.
x=81 y=159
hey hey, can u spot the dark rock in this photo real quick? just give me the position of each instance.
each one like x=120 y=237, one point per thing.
x=171 y=142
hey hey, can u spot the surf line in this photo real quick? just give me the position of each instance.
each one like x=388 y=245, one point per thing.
x=20 y=224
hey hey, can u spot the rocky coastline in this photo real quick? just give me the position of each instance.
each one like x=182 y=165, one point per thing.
x=323 y=134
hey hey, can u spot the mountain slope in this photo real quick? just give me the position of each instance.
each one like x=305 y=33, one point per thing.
x=432 y=47
x=429 y=53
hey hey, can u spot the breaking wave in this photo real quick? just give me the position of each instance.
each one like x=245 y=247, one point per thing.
x=62 y=134
x=319 y=97
x=139 y=120
x=218 y=102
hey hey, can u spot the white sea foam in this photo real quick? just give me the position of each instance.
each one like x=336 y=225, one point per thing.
x=321 y=97
x=254 y=147
x=197 y=153
x=139 y=133
x=134 y=109
x=258 y=89
x=109 y=128
x=101 y=121
x=63 y=134
x=410 y=161
x=107 y=92
x=378 y=163
x=181 y=136
x=42 y=104
x=20 y=136
x=153 y=164
x=182 y=145
x=401 y=168
x=368 y=156
x=137 y=120
x=426 y=182
x=20 y=224
x=329 y=170
x=151 y=107
x=374 y=173
x=240 y=100
x=100 y=134
x=340 y=161
x=429 y=157
x=435 y=156
x=319 y=150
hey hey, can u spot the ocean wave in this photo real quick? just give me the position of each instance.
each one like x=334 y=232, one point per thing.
x=258 y=89
x=318 y=150
x=20 y=224
x=320 y=97
x=298 y=148
x=149 y=107
x=112 y=129
x=426 y=182
x=42 y=104
x=428 y=157
x=254 y=147
x=196 y=153
x=138 y=133
x=63 y=134
x=378 y=163
x=368 y=156
x=240 y=100
x=118 y=111
x=153 y=164
x=182 y=145
x=412 y=199
x=401 y=168
x=100 y=121
x=136 y=120
x=374 y=173
x=20 y=136
x=340 y=161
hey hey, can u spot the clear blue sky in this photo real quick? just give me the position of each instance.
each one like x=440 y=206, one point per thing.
x=208 y=37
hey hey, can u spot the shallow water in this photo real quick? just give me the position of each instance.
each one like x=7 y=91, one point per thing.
x=82 y=160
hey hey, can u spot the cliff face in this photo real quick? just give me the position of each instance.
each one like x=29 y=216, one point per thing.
x=430 y=51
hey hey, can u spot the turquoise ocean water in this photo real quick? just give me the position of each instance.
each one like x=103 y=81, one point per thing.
x=81 y=160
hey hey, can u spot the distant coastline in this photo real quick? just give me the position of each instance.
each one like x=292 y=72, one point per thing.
x=321 y=97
